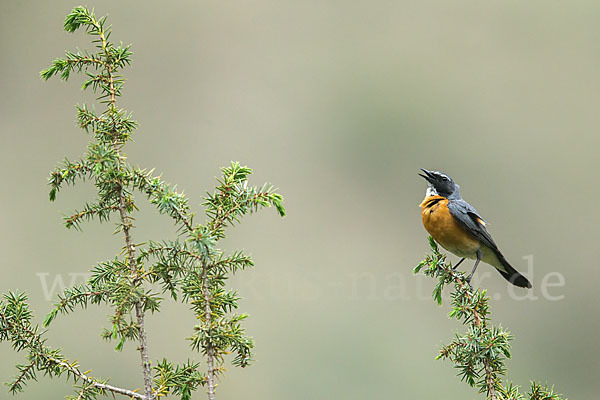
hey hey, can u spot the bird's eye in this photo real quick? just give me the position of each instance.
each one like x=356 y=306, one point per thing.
x=445 y=179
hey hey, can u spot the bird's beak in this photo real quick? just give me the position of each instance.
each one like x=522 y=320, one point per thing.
x=428 y=175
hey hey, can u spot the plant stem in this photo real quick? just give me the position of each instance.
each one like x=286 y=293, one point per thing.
x=210 y=352
x=479 y=323
x=139 y=310
x=126 y=224
x=489 y=380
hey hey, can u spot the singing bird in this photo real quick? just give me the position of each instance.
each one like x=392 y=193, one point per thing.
x=459 y=228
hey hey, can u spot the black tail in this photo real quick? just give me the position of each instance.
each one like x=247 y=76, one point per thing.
x=511 y=274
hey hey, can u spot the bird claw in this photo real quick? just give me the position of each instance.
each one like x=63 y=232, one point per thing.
x=469 y=282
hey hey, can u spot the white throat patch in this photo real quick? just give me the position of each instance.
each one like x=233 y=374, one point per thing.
x=430 y=191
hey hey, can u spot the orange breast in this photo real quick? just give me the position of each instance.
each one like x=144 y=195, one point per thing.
x=442 y=226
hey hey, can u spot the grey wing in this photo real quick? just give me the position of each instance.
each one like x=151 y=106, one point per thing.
x=472 y=221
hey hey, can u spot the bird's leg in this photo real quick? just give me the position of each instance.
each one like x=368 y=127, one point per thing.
x=458 y=263
x=479 y=255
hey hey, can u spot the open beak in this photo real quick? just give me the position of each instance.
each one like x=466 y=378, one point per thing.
x=428 y=175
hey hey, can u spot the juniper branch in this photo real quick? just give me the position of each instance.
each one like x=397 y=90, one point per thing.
x=15 y=325
x=192 y=264
x=480 y=353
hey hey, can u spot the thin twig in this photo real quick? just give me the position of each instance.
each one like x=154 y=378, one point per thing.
x=93 y=382
x=185 y=220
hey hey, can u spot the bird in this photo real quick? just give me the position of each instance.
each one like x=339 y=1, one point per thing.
x=458 y=227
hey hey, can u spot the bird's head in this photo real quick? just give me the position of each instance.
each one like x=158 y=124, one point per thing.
x=439 y=184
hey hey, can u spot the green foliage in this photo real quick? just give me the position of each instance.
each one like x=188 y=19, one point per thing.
x=190 y=268
x=480 y=353
x=16 y=326
x=179 y=380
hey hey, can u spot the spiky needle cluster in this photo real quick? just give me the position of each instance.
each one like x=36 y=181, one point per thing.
x=480 y=353
x=190 y=269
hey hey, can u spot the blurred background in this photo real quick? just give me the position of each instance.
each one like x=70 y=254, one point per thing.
x=338 y=103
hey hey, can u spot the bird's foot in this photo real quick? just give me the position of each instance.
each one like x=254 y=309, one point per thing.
x=458 y=263
x=468 y=280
